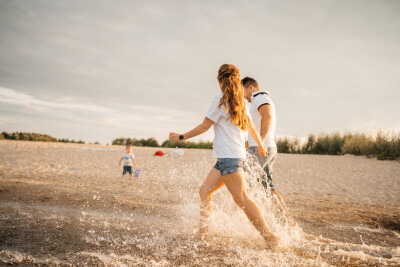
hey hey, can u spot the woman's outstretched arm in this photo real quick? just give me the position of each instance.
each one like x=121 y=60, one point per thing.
x=201 y=128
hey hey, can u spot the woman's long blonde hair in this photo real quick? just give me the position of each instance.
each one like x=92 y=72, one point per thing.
x=233 y=95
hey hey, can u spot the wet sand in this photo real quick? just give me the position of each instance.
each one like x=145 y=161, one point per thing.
x=66 y=204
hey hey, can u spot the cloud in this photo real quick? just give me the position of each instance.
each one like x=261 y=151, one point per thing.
x=142 y=67
x=140 y=120
x=11 y=96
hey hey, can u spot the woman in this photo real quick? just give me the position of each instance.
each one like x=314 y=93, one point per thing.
x=229 y=116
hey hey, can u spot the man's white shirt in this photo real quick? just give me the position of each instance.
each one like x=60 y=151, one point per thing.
x=259 y=99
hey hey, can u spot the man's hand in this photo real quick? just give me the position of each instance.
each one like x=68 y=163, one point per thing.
x=174 y=136
x=262 y=150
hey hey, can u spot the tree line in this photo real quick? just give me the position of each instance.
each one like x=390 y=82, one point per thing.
x=36 y=137
x=384 y=145
x=152 y=142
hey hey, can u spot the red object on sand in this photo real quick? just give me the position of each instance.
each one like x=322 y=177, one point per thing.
x=159 y=153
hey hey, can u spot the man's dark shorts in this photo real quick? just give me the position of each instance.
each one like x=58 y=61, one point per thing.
x=266 y=163
x=127 y=169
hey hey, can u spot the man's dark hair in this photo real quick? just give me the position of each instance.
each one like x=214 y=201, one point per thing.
x=247 y=81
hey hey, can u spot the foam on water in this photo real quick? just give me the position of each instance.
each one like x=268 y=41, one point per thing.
x=122 y=237
x=230 y=227
x=11 y=257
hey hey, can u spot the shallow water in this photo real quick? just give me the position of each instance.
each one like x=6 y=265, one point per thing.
x=70 y=207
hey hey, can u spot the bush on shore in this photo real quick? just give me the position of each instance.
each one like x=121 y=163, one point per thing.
x=288 y=145
x=384 y=146
x=324 y=144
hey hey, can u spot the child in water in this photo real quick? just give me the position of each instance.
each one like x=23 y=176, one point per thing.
x=128 y=159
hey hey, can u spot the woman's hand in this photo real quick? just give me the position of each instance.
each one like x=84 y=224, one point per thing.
x=262 y=150
x=174 y=136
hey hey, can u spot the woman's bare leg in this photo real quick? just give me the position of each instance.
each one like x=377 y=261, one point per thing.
x=212 y=183
x=235 y=184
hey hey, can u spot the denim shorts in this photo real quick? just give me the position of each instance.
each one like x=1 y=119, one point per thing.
x=127 y=169
x=229 y=165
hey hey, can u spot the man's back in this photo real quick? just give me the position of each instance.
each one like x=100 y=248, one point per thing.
x=259 y=99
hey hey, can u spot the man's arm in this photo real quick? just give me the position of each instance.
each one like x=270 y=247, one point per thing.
x=262 y=150
x=134 y=161
x=266 y=120
x=120 y=161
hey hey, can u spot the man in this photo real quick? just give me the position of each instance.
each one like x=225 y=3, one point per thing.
x=262 y=111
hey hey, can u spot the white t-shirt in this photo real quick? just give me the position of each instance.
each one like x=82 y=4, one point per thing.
x=229 y=139
x=127 y=159
x=258 y=99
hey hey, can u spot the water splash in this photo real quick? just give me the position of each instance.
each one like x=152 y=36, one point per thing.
x=153 y=221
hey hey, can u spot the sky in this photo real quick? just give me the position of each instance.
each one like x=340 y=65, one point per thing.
x=98 y=70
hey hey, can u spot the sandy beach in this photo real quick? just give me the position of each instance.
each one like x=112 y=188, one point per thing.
x=66 y=204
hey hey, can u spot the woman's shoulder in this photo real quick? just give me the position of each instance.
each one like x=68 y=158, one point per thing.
x=216 y=100
x=217 y=97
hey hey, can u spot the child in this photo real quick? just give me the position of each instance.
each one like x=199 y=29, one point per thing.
x=128 y=159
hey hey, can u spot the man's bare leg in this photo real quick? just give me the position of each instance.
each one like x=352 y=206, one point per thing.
x=282 y=206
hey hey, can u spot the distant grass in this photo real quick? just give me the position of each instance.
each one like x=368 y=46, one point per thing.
x=386 y=145
x=288 y=145
x=149 y=142
x=358 y=144
x=186 y=144
x=152 y=142
x=35 y=137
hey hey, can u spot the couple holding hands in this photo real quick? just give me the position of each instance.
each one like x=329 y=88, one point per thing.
x=232 y=120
